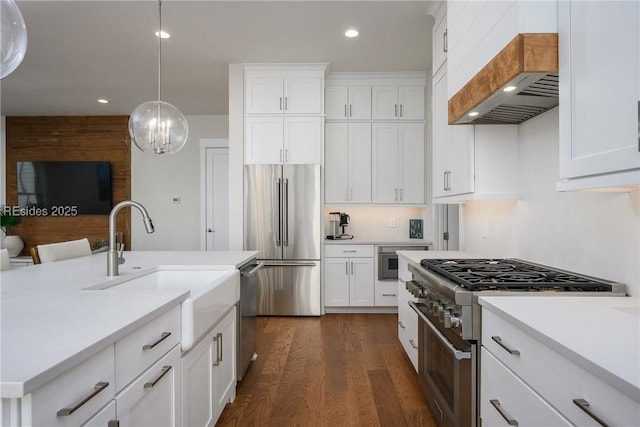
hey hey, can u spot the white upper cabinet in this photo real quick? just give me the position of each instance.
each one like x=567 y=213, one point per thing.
x=440 y=39
x=277 y=139
x=397 y=103
x=600 y=94
x=398 y=160
x=282 y=89
x=348 y=102
x=347 y=163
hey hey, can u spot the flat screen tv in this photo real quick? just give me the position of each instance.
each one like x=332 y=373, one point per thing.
x=55 y=188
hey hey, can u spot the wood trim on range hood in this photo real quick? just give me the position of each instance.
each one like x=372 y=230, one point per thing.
x=530 y=62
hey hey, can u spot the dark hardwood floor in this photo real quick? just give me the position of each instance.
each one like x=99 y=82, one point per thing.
x=335 y=370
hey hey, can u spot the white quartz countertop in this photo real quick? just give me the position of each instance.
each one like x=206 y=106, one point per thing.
x=417 y=256
x=406 y=242
x=49 y=321
x=600 y=334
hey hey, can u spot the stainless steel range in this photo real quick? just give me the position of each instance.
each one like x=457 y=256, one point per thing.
x=447 y=292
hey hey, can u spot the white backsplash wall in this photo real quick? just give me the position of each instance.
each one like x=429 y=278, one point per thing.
x=372 y=223
x=595 y=233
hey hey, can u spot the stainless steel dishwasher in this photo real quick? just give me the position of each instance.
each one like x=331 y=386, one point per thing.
x=247 y=315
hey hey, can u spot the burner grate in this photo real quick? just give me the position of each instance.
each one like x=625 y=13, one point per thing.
x=511 y=274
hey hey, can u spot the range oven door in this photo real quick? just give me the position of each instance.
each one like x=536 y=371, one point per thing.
x=447 y=373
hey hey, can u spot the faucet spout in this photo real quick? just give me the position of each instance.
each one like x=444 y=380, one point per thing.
x=113 y=258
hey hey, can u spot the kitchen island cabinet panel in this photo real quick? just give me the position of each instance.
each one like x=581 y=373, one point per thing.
x=599 y=59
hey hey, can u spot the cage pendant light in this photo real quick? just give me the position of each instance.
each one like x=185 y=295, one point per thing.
x=157 y=126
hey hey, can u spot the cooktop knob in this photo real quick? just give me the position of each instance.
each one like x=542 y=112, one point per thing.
x=451 y=320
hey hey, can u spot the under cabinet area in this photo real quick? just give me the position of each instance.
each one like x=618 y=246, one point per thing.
x=348 y=276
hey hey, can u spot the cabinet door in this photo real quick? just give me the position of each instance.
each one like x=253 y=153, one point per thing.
x=197 y=384
x=412 y=152
x=599 y=69
x=384 y=144
x=302 y=140
x=384 y=102
x=411 y=102
x=359 y=107
x=154 y=398
x=461 y=178
x=442 y=136
x=303 y=95
x=264 y=140
x=336 y=282
x=336 y=176
x=263 y=95
x=361 y=282
x=336 y=102
x=439 y=47
x=359 y=163
x=224 y=374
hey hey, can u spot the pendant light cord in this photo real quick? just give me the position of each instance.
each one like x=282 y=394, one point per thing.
x=159 y=50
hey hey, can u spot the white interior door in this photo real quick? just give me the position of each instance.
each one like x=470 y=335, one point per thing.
x=217 y=199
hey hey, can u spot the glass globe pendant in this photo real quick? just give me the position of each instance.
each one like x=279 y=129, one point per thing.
x=157 y=126
x=13 y=37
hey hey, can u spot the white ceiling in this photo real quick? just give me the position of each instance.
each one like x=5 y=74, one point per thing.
x=79 y=51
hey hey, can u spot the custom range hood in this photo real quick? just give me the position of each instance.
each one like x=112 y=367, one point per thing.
x=519 y=83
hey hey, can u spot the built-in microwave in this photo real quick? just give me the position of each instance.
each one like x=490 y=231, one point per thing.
x=388 y=260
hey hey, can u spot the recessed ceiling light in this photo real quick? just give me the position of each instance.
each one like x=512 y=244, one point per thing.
x=103 y=101
x=351 y=33
x=163 y=34
x=509 y=89
x=473 y=114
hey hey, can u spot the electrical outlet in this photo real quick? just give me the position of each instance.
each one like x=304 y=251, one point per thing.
x=485 y=229
x=392 y=223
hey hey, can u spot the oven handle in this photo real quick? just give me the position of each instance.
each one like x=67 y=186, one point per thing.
x=458 y=354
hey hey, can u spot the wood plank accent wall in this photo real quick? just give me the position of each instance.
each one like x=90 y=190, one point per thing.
x=70 y=138
x=527 y=52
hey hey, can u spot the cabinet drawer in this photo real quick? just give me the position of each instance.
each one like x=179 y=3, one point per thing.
x=350 y=251
x=504 y=395
x=64 y=395
x=141 y=348
x=538 y=366
x=386 y=294
x=408 y=333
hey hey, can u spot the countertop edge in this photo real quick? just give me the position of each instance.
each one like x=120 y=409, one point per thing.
x=610 y=378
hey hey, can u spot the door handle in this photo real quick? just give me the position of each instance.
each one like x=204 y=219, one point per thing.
x=279 y=238
x=285 y=215
x=445 y=41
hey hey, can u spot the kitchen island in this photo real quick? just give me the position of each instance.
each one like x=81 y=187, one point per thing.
x=57 y=316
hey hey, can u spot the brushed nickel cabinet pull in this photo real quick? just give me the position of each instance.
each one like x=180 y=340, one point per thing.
x=96 y=389
x=401 y=110
x=216 y=338
x=445 y=41
x=286 y=103
x=401 y=325
x=219 y=335
x=346 y=267
x=400 y=194
x=396 y=110
x=165 y=370
x=113 y=423
x=280 y=103
x=388 y=295
x=345 y=110
x=584 y=405
x=163 y=337
x=350 y=110
x=352 y=273
x=509 y=350
x=496 y=404
x=413 y=344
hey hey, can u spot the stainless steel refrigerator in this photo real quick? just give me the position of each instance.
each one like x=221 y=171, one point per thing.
x=282 y=221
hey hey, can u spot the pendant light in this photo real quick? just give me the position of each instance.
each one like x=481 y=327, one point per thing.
x=13 y=37
x=157 y=126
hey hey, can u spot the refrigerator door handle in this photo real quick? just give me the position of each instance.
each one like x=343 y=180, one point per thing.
x=279 y=238
x=285 y=215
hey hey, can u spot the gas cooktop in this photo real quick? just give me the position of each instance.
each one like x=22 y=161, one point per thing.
x=512 y=274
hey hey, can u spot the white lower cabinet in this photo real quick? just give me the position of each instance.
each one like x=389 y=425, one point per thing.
x=348 y=276
x=506 y=399
x=153 y=399
x=209 y=374
x=577 y=396
x=407 y=318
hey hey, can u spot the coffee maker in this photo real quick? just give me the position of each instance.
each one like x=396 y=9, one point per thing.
x=337 y=223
